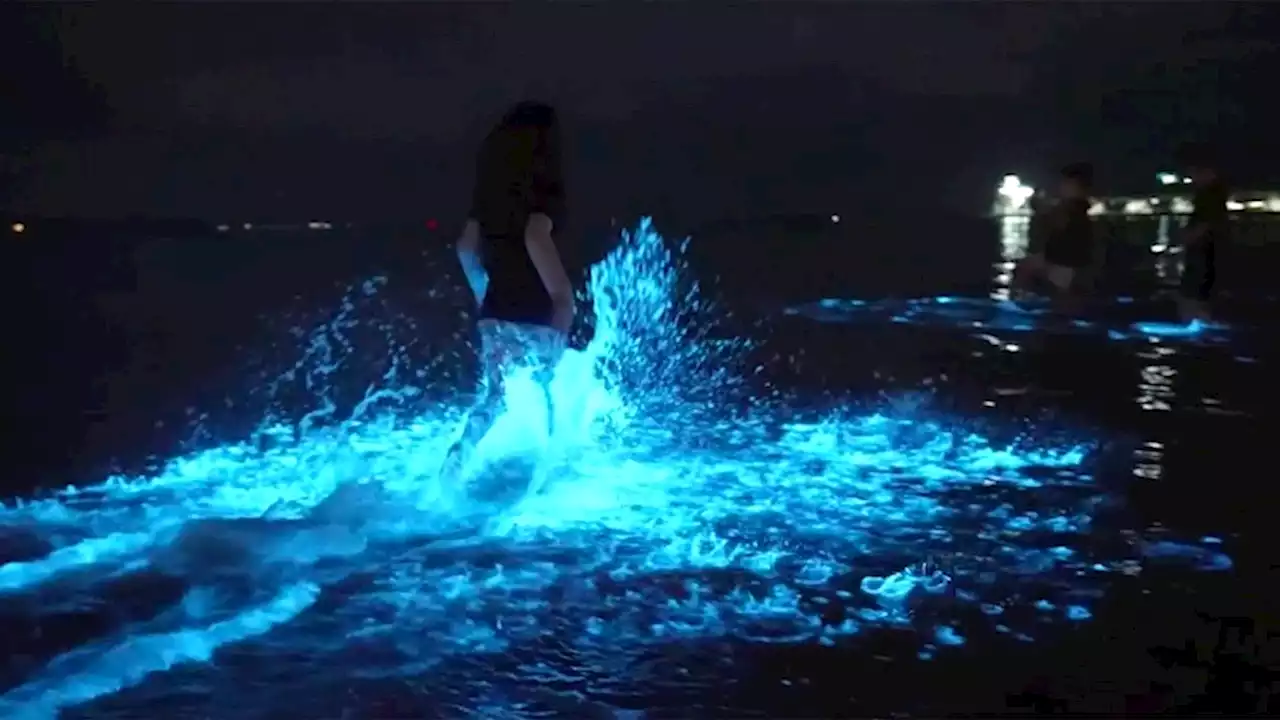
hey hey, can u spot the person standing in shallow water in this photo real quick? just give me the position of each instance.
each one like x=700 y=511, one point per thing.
x=1205 y=231
x=512 y=265
x=1063 y=254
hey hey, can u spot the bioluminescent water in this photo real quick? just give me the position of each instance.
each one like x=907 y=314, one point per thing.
x=268 y=575
x=985 y=314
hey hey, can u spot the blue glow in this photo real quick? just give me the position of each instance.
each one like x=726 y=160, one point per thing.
x=987 y=315
x=667 y=511
x=1194 y=328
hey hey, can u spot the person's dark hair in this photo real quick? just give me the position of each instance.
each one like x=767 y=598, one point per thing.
x=523 y=150
x=530 y=114
x=1081 y=172
x=529 y=137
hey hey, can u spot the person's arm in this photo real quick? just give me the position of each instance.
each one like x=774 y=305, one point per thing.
x=469 y=246
x=542 y=250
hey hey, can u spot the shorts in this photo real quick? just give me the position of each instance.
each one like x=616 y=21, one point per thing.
x=507 y=346
x=1061 y=277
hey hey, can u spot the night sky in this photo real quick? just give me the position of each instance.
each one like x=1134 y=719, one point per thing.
x=362 y=111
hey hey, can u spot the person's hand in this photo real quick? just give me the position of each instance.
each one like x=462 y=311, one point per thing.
x=562 y=317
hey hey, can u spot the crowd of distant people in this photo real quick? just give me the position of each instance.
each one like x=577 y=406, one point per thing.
x=1065 y=257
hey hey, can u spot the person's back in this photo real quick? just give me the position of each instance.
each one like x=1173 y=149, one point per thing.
x=1062 y=249
x=1069 y=235
x=1209 y=206
x=1041 y=214
x=517 y=175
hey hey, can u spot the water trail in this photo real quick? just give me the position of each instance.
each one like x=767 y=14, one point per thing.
x=982 y=315
x=87 y=674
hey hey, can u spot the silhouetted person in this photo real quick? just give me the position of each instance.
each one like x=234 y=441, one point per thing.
x=1207 y=229
x=524 y=296
x=1064 y=239
x=1041 y=210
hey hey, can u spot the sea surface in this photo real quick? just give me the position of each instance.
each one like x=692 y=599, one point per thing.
x=784 y=480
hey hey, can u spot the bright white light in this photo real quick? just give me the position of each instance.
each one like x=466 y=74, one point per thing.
x=1014 y=192
x=1235 y=205
x=835 y=218
x=1186 y=181
x=248 y=226
x=1168 y=179
x=1159 y=248
x=316 y=225
x=1137 y=207
x=19 y=227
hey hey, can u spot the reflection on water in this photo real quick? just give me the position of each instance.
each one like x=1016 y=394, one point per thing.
x=1015 y=236
x=1169 y=265
x=1148 y=460
x=1162 y=234
x=1156 y=390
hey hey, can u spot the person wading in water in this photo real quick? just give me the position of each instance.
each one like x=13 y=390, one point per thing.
x=1204 y=234
x=508 y=253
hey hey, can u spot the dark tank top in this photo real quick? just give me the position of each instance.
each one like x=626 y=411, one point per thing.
x=509 y=188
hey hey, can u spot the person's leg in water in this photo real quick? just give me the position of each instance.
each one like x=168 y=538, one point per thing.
x=495 y=356
x=547 y=347
x=1198 y=277
x=505 y=347
x=509 y=346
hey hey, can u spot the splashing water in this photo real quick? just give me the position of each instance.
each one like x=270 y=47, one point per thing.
x=328 y=551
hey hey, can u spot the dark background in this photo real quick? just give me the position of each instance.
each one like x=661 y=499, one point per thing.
x=350 y=111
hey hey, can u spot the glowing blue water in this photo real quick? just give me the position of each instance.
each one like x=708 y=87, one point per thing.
x=323 y=550
x=982 y=314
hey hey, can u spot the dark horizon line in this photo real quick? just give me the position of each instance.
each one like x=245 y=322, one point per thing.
x=31 y=220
